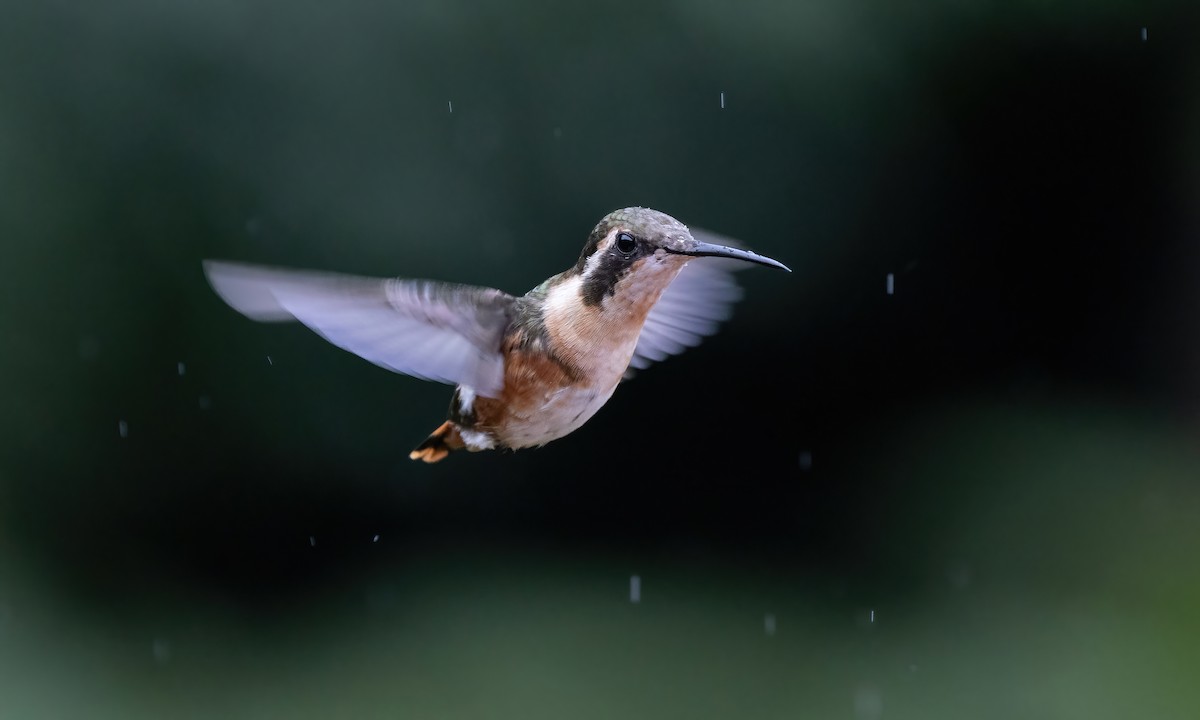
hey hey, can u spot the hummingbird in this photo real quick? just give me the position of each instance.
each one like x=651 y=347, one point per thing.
x=528 y=369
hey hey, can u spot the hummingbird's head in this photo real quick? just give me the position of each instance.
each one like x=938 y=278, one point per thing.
x=634 y=253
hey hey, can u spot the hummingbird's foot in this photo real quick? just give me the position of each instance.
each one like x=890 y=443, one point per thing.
x=439 y=444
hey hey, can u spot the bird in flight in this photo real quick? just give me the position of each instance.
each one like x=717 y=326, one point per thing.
x=528 y=369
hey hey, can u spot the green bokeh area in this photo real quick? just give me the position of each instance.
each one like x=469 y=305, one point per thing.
x=1068 y=593
x=974 y=497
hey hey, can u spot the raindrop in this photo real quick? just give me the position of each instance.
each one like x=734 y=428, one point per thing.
x=204 y=401
x=123 y=428
x=635 y=588
x=872 y=616
x=450 y=105
x=722 y=101
x=769 y=624
x=181 y=368
x=891 y=284
x=312 y=540
x=1143 y=34
x=269 y=362
x=806 y=460
x=557 y=133
x=375 y=539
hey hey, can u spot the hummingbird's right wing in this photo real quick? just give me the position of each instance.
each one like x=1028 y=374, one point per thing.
x=436 y=331
x=691 y=308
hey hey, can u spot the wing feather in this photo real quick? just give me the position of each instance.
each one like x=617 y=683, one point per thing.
x=436 y=331
x=691 y=308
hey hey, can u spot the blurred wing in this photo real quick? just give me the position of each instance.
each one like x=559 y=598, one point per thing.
x=436 y=331
x=691 y=307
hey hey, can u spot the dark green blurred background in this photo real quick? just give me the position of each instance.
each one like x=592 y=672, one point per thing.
x=974 y=498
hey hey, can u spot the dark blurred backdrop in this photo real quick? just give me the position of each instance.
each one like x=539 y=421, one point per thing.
x=973 y=497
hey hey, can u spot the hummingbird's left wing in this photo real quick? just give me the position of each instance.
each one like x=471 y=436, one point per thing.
x=436 y=331
x=690 y=309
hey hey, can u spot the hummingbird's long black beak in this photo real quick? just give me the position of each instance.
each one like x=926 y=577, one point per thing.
x=703 y=249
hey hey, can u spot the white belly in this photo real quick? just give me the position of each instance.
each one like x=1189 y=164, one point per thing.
x=562 y=412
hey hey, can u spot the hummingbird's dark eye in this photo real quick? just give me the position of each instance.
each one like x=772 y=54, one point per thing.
x=626 y=244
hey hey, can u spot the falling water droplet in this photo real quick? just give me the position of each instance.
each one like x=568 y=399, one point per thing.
x=635 y=588
x=312 y=540
x=769 y=624
x=161 y=650
x=806 y=460
x=123 y=428
x=181 y=368
x=1144 y=34
x=375 y=539
x=450 y=105
x=722 y=101
x=891 y=284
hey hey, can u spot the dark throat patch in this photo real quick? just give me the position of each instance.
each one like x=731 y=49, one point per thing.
x=602 y=282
